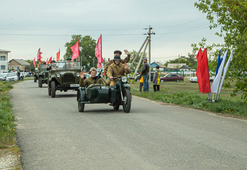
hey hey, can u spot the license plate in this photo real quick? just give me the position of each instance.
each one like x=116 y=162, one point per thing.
x=74 y=85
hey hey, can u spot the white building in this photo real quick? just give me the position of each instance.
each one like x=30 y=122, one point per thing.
x=3 y=61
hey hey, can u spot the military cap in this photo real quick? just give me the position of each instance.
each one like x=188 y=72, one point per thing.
x=145 y=59
x=53 y=61
x=68 y=58
x=117 y=52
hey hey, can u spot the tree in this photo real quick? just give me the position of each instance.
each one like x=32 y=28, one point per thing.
x=231 y=17
x=86 y=50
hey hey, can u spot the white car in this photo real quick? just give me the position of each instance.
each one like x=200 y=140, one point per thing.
x=194 y=79
x=3 y=76
x=12 y=77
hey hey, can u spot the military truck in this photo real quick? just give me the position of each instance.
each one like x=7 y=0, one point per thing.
x=63 y=76
x=43 y=75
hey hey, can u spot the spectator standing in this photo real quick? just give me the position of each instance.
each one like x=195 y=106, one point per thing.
x=156 y=79
x=145 y=74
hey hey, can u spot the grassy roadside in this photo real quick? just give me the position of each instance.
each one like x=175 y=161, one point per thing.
x=187 y=94
x=7 y=129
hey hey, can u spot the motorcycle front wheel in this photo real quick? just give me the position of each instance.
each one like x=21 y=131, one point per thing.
x=127 y=100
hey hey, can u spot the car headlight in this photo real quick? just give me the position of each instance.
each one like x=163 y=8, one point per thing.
x=124 y=79
x=78 y=74
x=58 y=75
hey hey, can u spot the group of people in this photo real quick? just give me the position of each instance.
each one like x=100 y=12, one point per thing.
x=117 y=68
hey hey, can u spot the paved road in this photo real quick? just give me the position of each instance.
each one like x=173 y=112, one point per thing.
x=52 y=134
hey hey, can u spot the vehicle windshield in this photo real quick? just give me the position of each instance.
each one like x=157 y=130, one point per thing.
x=43 y=67
x=11 y=74
x=63 y=65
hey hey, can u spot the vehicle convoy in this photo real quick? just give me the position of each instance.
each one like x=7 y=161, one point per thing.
x=63 y=76
x=43 y=75
x=98 y=93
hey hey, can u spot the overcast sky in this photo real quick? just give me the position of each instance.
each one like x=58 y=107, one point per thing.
x=27 y=25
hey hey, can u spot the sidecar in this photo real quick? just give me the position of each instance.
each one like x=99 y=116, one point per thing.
x=96 y=93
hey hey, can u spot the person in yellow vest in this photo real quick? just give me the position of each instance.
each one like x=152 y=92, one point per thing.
x=141 y=83
x=156 y=79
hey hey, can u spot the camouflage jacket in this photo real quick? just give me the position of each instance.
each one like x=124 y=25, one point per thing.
x=86 y=82
x=117 y=70
x=126 y=60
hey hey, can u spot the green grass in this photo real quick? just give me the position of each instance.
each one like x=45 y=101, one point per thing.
x=187 y=94
x=7 y=131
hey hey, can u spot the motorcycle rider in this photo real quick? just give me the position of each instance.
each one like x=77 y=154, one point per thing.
x=90 y=80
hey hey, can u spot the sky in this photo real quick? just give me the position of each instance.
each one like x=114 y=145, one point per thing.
x=28 y=25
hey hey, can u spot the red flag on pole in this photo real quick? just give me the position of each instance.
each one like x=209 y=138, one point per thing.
x=58 y=55
x=34 y=61
x=50 y=60
x=39 y=56
x=75 y=50
x=203 y=72
x=98 y=51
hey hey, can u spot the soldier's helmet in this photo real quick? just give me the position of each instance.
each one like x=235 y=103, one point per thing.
x=117 y=52
x=117 y=58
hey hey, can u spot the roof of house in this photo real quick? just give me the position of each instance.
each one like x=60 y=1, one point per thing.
x=159 y=64
x=175 y=65
x=1 y=50
x=21 y=62
x=185 y=67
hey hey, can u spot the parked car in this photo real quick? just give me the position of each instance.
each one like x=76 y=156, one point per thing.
x=11 y=77
x=138 y=77
x=3 y=76
x=194 y=79
x=171 y=77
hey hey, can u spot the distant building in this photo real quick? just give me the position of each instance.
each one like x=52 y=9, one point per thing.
x=18 y=64
x=154 y=64
x=185 y=68
x=175 y=66
x=4 y=60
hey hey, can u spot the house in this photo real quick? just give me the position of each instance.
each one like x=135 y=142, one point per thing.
x=175 y=66
x=18 y=64
x=154 y=64
x=4 y=60
x=185 y=68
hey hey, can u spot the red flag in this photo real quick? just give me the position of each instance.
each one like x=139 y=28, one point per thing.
x=98 y=51
x=75 y=50
x=34 y=61
x=58 y=55
x=203 y=72
x=39 y=56
x=50 y=60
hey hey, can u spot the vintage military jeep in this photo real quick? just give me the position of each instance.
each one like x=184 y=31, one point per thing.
x=63 y=76
x=43 y=75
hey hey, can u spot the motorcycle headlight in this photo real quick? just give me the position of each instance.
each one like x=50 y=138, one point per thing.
x=124 y=79
x=58 y=75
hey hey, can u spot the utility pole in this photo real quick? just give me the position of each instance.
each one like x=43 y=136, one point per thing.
x=149 y=53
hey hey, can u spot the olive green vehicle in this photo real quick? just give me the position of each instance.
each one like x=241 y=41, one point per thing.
x=63 y=76
x=42 y=75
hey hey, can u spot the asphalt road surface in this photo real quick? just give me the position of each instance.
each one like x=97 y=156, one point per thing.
x=52 y=134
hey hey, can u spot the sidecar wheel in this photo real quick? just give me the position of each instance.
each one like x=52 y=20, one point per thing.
x=127 y=100
x=81 y=106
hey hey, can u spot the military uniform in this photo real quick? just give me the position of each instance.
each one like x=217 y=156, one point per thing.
x=116 y=71
x=126 y=60
x=88 y=81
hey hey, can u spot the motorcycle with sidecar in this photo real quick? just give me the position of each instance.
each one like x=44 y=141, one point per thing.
x=98 y=93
